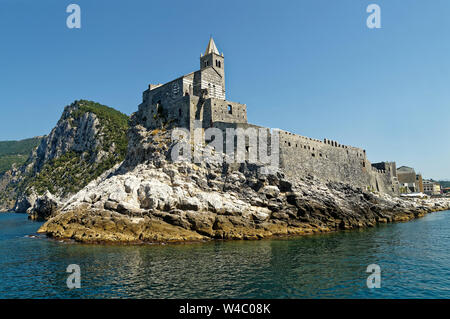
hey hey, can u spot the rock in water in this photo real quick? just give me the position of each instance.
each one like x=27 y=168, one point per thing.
x=44 y=207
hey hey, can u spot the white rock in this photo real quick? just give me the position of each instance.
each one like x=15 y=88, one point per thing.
x=153 y=194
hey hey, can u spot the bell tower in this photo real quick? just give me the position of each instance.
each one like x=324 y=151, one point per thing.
x=212 y=58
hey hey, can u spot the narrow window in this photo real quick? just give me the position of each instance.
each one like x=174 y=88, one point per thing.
x=230 y=109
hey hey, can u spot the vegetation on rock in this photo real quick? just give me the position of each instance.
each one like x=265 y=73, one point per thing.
x=16 y=152
x=114 y=123
x=88 y=140
x=73 y=170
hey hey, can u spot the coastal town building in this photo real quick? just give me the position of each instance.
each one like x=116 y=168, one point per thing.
x=407 y=179
x=199 y=100
x=431 y=187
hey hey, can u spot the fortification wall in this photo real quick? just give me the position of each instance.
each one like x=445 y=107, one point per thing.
x=331 y=161
x=383 y=181
x=327 y=160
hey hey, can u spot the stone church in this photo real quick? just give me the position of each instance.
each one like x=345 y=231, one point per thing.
x=200 y=97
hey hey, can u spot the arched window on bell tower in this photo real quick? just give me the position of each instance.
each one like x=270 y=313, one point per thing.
x=213 y=59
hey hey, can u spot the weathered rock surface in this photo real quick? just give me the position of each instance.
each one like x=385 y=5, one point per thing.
x=88 y=140
x=44 y=207
x=151 y=198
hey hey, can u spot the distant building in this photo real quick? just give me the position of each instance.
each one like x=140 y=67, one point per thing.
x=446 y=190
x=407 y=179
x=431 y=187
x=437 y=189
x=419 y=183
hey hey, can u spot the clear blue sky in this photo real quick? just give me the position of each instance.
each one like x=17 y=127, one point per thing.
x=308 y=66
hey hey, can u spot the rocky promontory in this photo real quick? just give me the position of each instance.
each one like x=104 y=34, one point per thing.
x=151 y=198
x=88 y=140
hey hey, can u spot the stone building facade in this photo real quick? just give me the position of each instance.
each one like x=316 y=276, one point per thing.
x=409 y=181
x=432 y=187
x=200 y=97
x=197 y=96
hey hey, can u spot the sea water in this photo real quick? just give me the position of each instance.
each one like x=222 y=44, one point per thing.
x=414 y=259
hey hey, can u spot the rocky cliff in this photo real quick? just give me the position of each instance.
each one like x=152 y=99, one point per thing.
x=150 y=198
x=8 y=193
x=13 y=154
x=88 y=140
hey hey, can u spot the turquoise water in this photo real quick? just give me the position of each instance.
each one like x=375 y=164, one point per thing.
x=414 y=258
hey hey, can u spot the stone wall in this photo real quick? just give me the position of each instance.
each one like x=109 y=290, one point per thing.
x=165 y=104
x=226 y=111
x=330 y=161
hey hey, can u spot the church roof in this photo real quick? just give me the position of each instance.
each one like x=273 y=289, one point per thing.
x=211 y=48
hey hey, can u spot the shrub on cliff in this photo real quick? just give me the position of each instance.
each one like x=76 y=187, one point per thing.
x=16 y=152
x=88 y=140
